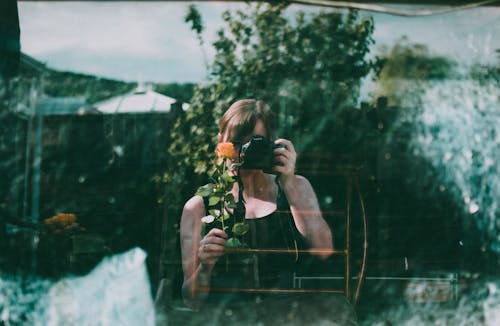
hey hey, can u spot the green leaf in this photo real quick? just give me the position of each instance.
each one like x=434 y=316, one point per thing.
x=214 y=212
x=219 y=191
x=240 y=228
x=233 y=243
x=227 y=178
x=205 y=190
x=214 y=200
x=225 y=215
x=230 y=202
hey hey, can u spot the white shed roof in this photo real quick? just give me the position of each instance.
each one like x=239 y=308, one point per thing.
x=140 y=100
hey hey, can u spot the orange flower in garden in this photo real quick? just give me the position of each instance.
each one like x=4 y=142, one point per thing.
x=63 y=223
x=225 y=150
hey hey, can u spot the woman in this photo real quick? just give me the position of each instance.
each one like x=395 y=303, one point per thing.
x=266 y=197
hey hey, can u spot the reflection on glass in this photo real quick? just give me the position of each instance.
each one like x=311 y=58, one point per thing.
x=108 y=127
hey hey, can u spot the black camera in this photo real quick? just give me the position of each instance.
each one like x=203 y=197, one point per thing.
x=258 y=154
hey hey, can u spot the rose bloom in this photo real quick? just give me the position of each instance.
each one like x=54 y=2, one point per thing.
x=225 y=150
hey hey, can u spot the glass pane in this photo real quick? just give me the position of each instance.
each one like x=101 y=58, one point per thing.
x=110 y=115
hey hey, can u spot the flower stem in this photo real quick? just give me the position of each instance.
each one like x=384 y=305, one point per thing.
x=222 y=212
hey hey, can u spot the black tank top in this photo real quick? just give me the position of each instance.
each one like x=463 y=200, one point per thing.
x=264 y=270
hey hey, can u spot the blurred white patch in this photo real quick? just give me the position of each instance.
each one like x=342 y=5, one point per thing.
x=118 y=150
x=491 y=306
x=473 y=208
x=462 y=144
x=116 y=292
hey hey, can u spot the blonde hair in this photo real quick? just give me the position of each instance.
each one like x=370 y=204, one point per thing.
x=240 y=119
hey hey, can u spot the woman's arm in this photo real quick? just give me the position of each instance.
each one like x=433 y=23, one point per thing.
x=307 y=215
x=303 y=202
x=199 y=255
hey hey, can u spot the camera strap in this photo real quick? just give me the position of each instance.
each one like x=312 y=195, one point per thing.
x=240 y=210
x=282 y=205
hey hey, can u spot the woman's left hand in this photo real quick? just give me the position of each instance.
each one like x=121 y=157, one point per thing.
x=285 y=157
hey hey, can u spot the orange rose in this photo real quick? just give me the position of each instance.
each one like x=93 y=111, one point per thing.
x=225 y=150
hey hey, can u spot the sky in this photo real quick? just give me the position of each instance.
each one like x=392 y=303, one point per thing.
x=150 y=42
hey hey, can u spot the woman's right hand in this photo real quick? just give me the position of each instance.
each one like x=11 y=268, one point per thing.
x=211 y=247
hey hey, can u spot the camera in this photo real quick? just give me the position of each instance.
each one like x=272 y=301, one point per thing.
x=258 y=154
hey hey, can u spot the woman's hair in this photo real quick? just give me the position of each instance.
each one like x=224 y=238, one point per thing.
x=240 y=119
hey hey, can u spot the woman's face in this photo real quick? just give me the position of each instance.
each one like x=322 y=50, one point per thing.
x=259 y=129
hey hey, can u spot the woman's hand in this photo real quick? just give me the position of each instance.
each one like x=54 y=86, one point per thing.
x=211 y=247
x=286 y=158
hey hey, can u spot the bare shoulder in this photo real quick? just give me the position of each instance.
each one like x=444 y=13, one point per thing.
x=195 y=203
x=194 y=208
x=297 y=184
x=302 y=181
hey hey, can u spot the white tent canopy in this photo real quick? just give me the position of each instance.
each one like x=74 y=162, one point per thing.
x=140 y=100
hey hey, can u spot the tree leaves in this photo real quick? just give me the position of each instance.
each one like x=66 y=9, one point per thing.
x=194 y=17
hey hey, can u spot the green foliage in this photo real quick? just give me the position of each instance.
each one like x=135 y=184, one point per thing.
x=240 y=228
x=307 y=68
x=181 y=92
x=414 y=61
x=234 y=243
x=405 y=66
x=94 y=89
x=486 y=73
x=194 y=17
